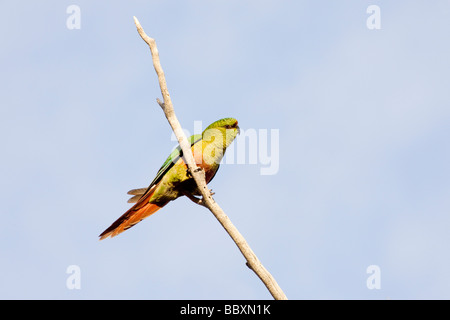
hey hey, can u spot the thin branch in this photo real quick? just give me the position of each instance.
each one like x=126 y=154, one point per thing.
x=161 y=104
x=199 y=176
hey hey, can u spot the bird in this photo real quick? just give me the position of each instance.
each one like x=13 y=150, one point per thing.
x=173 y=179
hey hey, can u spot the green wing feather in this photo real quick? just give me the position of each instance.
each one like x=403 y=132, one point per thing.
x=167 y=165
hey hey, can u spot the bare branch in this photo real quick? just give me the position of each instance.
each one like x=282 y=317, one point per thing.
x=161 y=104
x=199 y=176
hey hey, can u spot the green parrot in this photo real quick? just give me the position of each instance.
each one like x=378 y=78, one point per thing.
x=173 y=180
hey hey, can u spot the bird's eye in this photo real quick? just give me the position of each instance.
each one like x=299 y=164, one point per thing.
x=227 y=126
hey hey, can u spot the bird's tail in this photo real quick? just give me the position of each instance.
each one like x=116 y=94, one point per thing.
x=141 y=210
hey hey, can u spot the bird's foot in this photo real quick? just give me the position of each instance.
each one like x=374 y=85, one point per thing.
x=194 y=199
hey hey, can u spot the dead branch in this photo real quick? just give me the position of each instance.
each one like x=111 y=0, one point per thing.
x=199 y=176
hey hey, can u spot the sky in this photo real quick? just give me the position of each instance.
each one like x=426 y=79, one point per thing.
x=339 y=180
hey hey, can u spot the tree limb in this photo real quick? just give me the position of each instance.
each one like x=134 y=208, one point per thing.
x=199 y=176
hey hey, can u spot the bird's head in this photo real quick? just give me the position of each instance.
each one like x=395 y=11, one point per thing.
x=222 y=131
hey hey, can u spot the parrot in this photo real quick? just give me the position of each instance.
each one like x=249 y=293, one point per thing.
x=173 y=179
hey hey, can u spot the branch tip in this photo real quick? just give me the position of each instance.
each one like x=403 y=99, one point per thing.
x=161 y=104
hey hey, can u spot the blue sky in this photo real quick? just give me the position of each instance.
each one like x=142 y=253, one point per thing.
x=363 y=121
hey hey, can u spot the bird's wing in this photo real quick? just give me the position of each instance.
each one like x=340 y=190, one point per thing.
x=167 y=165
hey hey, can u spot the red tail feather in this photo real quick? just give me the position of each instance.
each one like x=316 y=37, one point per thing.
x=141 y=210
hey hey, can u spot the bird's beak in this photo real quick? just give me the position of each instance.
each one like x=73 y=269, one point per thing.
x=238 y=129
